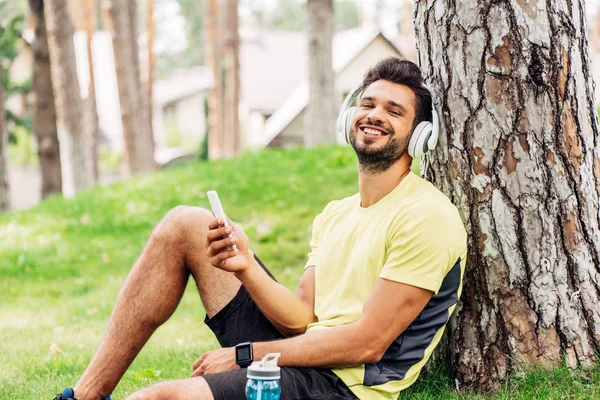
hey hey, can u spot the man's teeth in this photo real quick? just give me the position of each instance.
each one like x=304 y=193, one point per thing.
x=372 y=131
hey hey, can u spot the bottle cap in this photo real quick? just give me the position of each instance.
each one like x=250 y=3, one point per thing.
x=265 y=369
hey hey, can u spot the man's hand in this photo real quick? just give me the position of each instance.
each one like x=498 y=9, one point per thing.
x=219 y=246
x=214 y=361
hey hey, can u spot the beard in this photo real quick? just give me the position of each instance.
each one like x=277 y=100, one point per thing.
x=374 y=160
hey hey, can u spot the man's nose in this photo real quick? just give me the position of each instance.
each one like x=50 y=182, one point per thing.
x=376 y=114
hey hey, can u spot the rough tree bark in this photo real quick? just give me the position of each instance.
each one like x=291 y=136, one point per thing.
x=320 y=117
x=214 y=57
x=4 y=186
x=124 y=38
x=42 y=103
x=520 y=157
x=231 y=81
x=76 y=166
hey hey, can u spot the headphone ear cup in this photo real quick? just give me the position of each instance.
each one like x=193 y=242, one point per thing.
x=418 y=144
x=435 y=130
x=348 y=118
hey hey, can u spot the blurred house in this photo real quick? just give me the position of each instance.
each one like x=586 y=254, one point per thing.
x=274 y=86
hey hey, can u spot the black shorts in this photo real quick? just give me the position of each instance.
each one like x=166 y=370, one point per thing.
x=242 y=321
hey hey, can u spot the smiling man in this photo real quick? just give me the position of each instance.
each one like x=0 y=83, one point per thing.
x=382 y=278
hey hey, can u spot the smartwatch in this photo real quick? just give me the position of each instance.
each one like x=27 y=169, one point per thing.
x=243 y=354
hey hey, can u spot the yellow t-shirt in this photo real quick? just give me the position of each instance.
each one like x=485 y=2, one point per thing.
x=414 y=235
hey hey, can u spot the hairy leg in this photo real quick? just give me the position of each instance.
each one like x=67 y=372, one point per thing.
x=182 y=389
x=151 y=293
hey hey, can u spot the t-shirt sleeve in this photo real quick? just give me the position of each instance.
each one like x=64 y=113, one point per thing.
x=423 y=245
x=314 y=242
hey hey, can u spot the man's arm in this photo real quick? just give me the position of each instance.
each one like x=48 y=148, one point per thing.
x=290 y=313
x=389 y=310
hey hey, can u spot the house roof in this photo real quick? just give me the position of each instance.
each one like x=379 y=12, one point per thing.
x=182 y=84
x=346 y=47
x=273 y=64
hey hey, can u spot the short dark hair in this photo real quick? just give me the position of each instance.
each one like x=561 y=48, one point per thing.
x=405 y=73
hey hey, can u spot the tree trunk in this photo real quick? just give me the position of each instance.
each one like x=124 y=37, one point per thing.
x=319 y=122
x=520 y=157
x=76 y=167
x=145 y=136
x=214 y=57
x=4 y=186
x=135 y=153
x=44 y=111
x=150 y=28
x=91 y=114
x=231 y=81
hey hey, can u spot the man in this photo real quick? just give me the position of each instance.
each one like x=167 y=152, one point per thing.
x=381 y=280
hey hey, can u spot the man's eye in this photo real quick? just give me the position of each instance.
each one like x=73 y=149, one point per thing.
x=395 y=113
x=367 y=106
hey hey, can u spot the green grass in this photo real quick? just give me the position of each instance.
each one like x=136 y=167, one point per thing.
x=63 y=262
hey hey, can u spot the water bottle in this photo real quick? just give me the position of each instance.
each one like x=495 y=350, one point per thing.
x=263 y=379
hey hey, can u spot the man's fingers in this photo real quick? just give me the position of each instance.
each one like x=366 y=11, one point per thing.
x=218 y=233
x=219 y=259
x=218 y=246
x=215 y=223
x=196 y=364
x=197 y=372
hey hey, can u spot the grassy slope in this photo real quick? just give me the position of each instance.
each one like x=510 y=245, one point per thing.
x=62 y=263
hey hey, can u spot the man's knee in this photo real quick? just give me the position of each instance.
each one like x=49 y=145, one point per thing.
x=175 y=390
x=182 y=223
x=149 y=393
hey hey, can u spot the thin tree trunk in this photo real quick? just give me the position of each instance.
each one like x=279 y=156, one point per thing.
x=44 y=111
x=150 y=27
x=145 y=136
x=92 y=123
x=214 y=57
x=231 y=81
x=319 y=122
x=127 y=71
x=4 y=185
x=520 y=157
x=76 y=167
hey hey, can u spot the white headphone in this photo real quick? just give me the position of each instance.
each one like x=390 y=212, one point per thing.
x=423 y=139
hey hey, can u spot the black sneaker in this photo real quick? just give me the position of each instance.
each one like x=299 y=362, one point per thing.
x=68 y=394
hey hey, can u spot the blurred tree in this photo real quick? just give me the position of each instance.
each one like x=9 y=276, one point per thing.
x=193 y=11
x=4 y=185
x=231 y=79
x=76 y=165
x=214 y=57
x=519 y=154
x=138 y=154
x=346 y=14
x=320 y=117
x=290 y=15
x=11 y=28
x=44 y=112
x=92 y=125
x=151 y=65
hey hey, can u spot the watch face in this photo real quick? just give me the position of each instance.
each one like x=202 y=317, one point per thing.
x=243 y=353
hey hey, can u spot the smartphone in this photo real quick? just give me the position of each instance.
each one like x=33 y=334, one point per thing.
x=217 y=209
